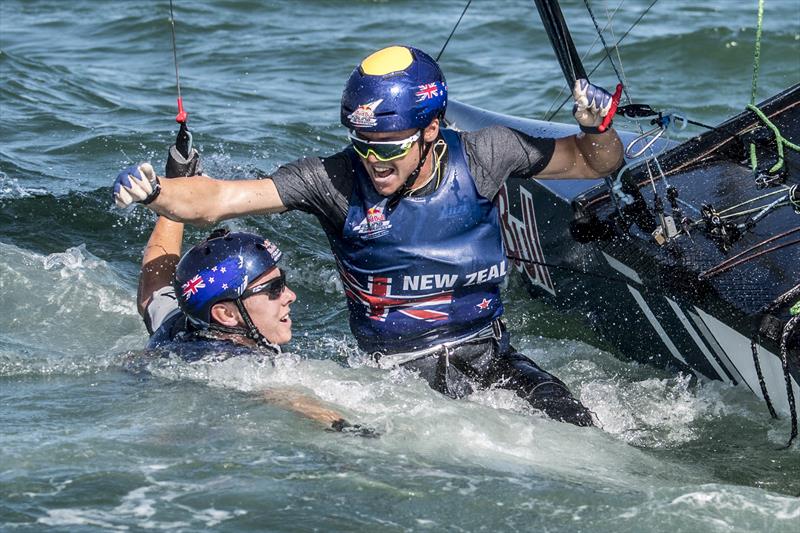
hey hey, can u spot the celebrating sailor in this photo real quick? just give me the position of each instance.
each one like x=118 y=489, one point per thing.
x=410 y=213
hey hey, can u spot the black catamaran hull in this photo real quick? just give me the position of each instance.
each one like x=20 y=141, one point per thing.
x=652 y=302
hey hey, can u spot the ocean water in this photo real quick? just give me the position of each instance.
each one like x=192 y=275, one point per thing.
x=94 y=439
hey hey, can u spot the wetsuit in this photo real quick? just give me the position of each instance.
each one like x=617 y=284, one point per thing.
x=422 y=277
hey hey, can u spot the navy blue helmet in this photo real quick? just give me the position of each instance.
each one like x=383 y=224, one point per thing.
x=219 y=269
x=394 y=89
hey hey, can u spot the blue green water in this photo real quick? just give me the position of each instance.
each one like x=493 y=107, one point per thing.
x=87 y=87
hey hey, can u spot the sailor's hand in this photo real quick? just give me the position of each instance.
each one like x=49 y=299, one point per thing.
x=179 y=166
x=343 y=426
x=592 y=104
x=136 y=184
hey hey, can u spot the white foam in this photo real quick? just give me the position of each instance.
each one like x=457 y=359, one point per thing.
x=66 y=311
x=11 y=189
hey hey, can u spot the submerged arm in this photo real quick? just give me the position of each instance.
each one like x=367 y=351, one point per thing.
x=303 y=404
x=315 y=410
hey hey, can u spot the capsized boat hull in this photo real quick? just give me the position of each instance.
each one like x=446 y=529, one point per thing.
x=650 y=301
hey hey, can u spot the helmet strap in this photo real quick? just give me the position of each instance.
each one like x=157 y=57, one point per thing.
x=249 y=330
x=425 y=150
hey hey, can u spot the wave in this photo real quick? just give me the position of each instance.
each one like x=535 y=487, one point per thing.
x=65 y=312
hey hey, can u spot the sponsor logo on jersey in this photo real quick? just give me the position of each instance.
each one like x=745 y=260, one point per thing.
x=375 y=224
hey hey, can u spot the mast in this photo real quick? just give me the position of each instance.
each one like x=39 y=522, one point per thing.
x=561 y=40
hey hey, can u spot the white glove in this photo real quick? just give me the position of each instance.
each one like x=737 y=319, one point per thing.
x=136 y=184
x=592 y=104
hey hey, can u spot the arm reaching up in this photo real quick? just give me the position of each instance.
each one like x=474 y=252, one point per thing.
x=591 y=153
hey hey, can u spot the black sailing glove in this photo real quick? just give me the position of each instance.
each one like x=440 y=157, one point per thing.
x=179 y=166
x=357 y=430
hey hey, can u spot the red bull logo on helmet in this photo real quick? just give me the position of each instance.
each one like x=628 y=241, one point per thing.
x=272 y=250
x=364 y=115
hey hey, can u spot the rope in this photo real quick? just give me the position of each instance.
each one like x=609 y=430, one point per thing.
x=727 y=265
x=439 y=55
x=174 y=49
x=788 y=330
x=757 y=363
x=549 y=116
x=780 y=141
x=751 y=200
x=757 y=53
x=606 y=49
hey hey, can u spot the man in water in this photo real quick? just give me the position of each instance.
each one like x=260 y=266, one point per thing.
x=410 y=213
x=226 y=297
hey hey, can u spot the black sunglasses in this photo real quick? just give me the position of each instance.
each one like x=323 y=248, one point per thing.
x=273 y=287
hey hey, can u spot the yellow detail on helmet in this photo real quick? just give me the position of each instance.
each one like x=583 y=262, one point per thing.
x=387 y=60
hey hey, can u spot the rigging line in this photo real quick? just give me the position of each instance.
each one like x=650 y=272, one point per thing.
x=624 y=35
x=439 y=55
x=606 y=49
x=735 y=260
x=174 y=50
x=761 y=382
x=751 y=257
x=757 y=198
x=756 y=209
x=585 y=55
x=757 y=52
x=628 y=97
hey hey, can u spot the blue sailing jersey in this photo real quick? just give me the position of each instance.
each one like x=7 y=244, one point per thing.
x=427 y=272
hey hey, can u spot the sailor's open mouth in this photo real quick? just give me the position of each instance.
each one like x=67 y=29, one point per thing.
x=382 y=172
x=286 y=318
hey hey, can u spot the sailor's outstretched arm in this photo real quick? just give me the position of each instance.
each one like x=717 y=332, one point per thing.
x=201 y=200
x=197 y=200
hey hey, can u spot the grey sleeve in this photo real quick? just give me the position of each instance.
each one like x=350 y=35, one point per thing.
x=320 y=186
x=497 y=152
x=163 y=304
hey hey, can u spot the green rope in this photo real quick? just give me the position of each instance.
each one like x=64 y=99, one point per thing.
x=754 y=84
x=795 y=310
x=780 y=141
x=757 y=55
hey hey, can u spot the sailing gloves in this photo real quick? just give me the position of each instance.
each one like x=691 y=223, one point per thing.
x=136 y=184
x=592 y=104
x=140 y=183
x=179 y=166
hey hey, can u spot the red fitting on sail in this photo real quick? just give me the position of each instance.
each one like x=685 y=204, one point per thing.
x=182 y=115
x=612 y=110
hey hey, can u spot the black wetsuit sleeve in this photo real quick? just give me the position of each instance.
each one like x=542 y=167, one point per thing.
x=496 y=153
x=317 y=185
